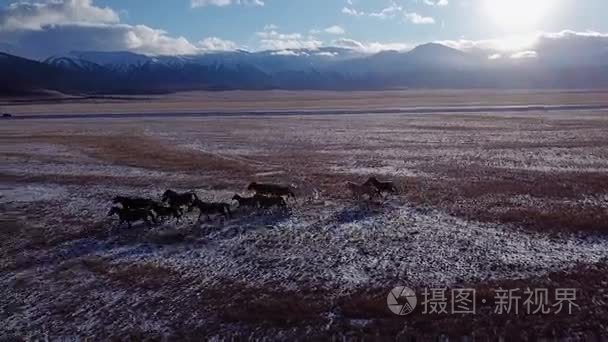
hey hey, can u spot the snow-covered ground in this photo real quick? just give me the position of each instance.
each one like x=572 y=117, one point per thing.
x=57 y=181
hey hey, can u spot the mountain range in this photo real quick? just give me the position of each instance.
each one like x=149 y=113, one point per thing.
x=426 y=66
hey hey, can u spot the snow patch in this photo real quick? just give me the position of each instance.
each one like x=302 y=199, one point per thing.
x=31 y=193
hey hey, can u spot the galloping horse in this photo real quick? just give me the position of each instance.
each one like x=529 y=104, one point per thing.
x=177 y=200
x=388 y=187
x=211 y=208
x=133 y=203
x=132 y=215
x=362 y=190
x=246 y=202
x=164 y=213
x=271 y=189
x=266 y=202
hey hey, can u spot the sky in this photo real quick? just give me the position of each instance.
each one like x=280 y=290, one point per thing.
x=44 y=27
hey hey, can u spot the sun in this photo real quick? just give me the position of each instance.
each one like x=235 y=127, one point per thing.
x=516 y=15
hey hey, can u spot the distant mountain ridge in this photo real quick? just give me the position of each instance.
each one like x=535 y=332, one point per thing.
x=426 y=66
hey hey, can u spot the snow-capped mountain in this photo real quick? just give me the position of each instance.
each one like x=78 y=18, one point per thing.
x=269 y=61
x=426 y=66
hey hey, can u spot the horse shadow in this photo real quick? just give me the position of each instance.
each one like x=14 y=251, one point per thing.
x=356 y=213
x=243 y=221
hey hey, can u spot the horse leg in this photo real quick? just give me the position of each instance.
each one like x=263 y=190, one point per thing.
x=228 y=212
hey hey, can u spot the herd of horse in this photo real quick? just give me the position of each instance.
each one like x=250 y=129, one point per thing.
x=267 y=196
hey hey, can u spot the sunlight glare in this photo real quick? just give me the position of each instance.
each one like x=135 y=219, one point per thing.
x=517 y=14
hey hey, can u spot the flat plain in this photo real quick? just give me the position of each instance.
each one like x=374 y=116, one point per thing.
x=485 y=201
x=278 y=100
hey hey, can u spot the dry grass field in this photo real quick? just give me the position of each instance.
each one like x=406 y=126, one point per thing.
x=485 y=201
x=238 y=101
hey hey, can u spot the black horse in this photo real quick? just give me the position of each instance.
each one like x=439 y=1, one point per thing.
x=387 y=187
x=271 y=190
x=361 y=190
x=211 y=209
x=266 y=202
x=132 y=215
x=165 y=213
x=177 y=200
x=246 y=202
x=133 y=202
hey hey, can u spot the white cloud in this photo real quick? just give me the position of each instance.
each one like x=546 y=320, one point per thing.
x=498 y=45
x=524 y=55
x=349 y=44
x=335 y=29
x=388 y=12
x=59 y=39
x=272 y=34
x=436 y=2
x=147 y=40
x=44 y=28
x=370 y=47
x=217 y=44
x=418 y=19
x=558 y=48
x=289 y=53
x=40 y=28
x=270 y=39
x=290 y=44
x=221 y=3
x=495 y=56
x=393 y=11
x=571 y=34
x=326 y=54
x=36 y=15
x=352 y=12
x=571 y=41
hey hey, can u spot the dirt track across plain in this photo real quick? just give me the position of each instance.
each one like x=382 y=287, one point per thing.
x=298 y=101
